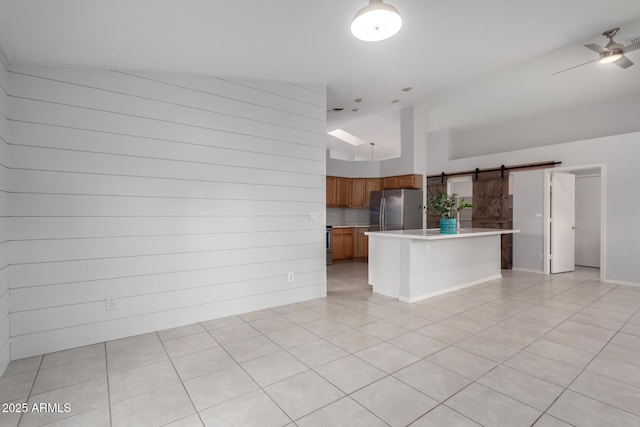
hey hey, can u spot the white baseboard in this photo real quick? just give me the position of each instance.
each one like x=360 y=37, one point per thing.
x=450 y=289
x=620 y=282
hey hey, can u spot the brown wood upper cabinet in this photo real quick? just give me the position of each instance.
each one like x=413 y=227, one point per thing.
x=338 y=192
x=356 y=192
x=361 y=189
x=402 y=181
x=332 y=199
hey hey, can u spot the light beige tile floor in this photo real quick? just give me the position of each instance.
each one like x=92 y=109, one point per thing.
x=524 y=350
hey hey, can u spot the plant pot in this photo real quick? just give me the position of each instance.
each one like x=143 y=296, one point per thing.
x=448 y=226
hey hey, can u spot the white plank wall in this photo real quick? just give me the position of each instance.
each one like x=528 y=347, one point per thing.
x=185 y=197
x=5 y=347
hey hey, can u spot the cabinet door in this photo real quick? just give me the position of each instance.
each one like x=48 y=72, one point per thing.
x=370 y=184
x=338 y=244
x=332 y=199
x=357 y=193
x=344 y=190
x=390 y=183
x=361 y=243
x=347 y=243
x=407 y=181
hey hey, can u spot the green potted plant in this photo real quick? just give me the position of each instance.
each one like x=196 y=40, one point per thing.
x=447 y=208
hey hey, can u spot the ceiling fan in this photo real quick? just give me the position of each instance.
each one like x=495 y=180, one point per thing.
x=612 y=53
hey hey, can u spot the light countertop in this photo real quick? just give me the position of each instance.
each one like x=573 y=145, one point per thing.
x=434 y=233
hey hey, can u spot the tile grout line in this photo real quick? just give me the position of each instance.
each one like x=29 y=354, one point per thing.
x=106 y=367
x=180 y=379
x=245 y=371
x=585 y=366
x=32 y=386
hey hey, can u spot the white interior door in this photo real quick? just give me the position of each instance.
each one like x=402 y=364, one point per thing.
x=563 y=219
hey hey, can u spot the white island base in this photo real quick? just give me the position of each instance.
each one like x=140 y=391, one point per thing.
x=412 y=265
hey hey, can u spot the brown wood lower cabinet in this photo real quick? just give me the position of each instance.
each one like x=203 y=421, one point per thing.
x=361 y=243
x=350 y=243
x=342 y=244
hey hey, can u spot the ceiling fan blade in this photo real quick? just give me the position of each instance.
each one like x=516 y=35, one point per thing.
x=631 y=47
x=597 y=48
x=574 y=67
x=623 y=62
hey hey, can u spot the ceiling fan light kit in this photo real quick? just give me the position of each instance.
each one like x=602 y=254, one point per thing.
x=609 y=57
x=375 y=22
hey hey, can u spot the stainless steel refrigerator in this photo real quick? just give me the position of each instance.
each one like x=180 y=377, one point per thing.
x=396 y=210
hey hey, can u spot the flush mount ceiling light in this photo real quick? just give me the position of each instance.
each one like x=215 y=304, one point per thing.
x=375 y=22
x=611 y=56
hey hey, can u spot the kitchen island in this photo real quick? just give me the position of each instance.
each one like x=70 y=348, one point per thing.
x=412 y=265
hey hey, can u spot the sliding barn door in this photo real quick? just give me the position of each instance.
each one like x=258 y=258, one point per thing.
x=433 y=185
x=491 y=207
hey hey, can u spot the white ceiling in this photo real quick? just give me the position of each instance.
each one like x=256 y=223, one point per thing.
x=470 y=61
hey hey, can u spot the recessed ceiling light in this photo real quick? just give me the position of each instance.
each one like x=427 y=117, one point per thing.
x=395 y=101
x=407 y=89
x=358 y=100
x=337 y=109
x=347 y=137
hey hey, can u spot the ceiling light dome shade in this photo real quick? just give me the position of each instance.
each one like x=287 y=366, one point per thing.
x=612 y=56
x=375 y=22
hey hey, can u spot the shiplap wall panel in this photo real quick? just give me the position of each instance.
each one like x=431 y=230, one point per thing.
x=314 y=96
x=247 y=98
x=163 y=102
x=70 y=249
x=285 y=98
x=36 y=228
x=29 y=135
x=76 y=161
x=54 y=182
x=186 y=197
x=5 y=347
x=34 y=321
x=134 y=119
x=98 y=122
x=52 y=295
x=211 y=144
x=79 y=335
x=40 y=274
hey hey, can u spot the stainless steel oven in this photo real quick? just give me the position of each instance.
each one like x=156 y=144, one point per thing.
x=329 y=245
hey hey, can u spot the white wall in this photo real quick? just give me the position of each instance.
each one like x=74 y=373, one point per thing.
x=5 y=347
x=610 y=117
x=588 y=221
x=618 y=153
x=528 y=217
x=185 y=197
x=412 y=152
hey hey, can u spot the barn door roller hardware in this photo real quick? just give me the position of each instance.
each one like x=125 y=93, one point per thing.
x=502 y=170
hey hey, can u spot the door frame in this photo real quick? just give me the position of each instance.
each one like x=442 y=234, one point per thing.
x=603 y=203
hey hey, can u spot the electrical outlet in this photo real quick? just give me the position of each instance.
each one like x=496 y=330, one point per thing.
x=540 y=255
x=314 y=216
x=111 y=303
x=290 y=276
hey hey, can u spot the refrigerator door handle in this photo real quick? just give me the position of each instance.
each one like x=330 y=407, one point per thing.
x=382 y=214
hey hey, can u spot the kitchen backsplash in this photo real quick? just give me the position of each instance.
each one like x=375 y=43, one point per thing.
x=344 y=216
